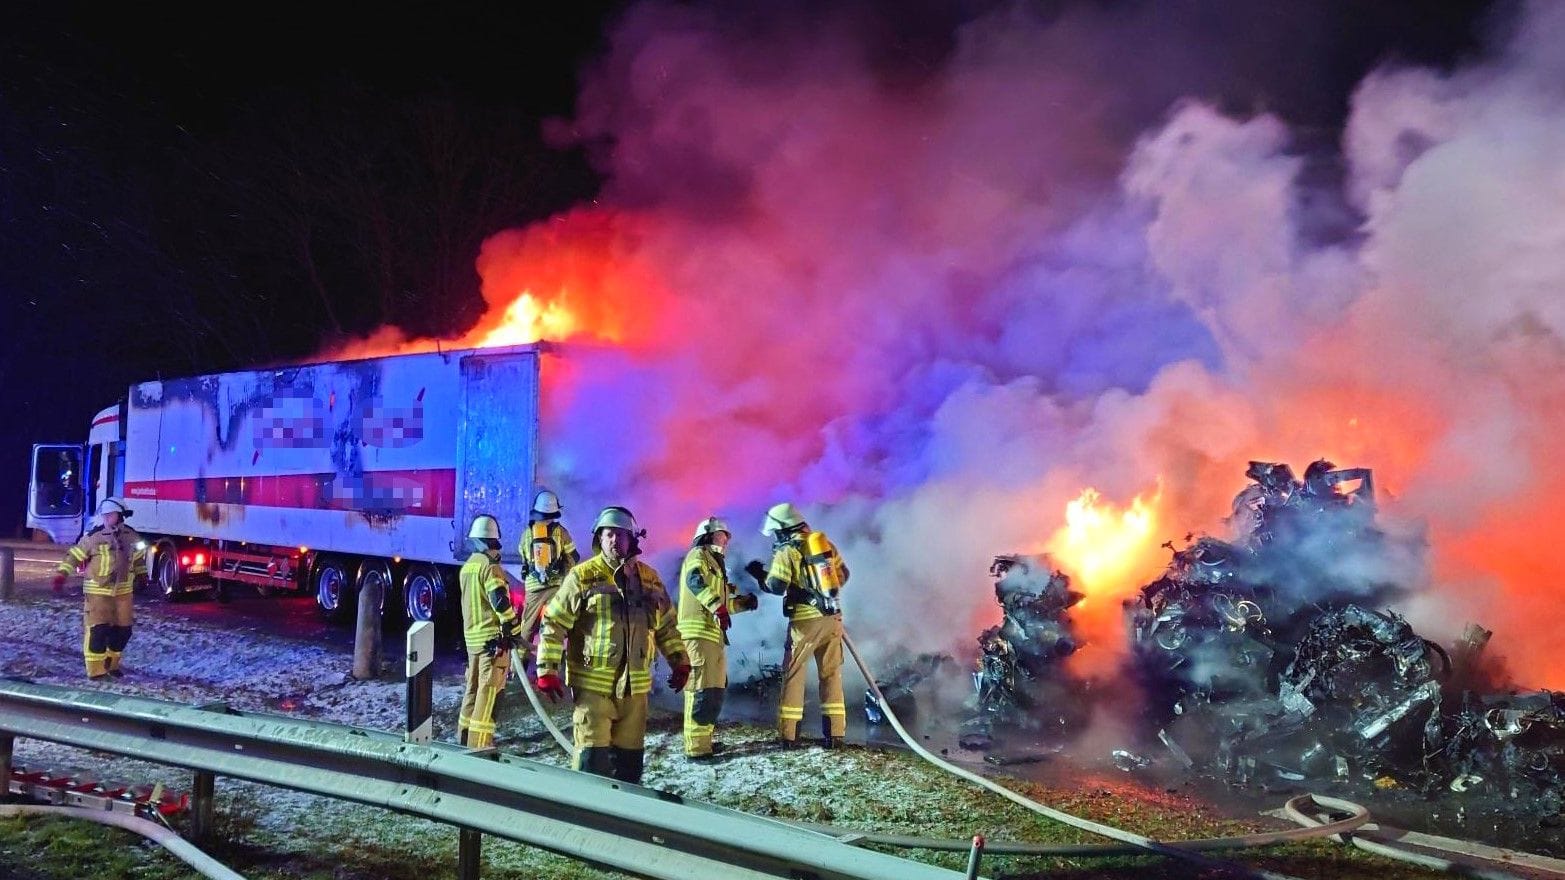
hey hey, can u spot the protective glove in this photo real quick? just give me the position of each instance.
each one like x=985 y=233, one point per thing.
x=680 y=675
x=59 y=583
x=746 y=602
x=550 y=685
x=723 y=619
x=757 y=569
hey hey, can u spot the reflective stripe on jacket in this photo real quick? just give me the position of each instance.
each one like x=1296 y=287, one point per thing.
x=606 y=625
x=703 y=587
x=481 y=620
x=111 y=561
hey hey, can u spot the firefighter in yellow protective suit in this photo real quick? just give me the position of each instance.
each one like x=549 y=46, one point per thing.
x=706 y=601
x=547 y=552
x=606 y=623
x=113 y=557
x=807 y=572
x=489 y=628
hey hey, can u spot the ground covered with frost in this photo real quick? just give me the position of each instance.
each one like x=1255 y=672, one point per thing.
x=267 y=832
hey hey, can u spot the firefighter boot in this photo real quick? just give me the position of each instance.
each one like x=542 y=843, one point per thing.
x=597 y=760
x=628 y=764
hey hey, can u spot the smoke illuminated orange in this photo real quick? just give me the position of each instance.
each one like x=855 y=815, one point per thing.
x=1109 y=553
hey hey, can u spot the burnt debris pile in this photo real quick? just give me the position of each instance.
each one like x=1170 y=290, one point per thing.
x=1275 y=657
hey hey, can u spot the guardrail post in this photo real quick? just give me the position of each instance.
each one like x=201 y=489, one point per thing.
x=974 y=856
x=366 y=638
x=7 y=745
x=421 y=682
x=202 y=806
x=470 y=847
x=7 y=576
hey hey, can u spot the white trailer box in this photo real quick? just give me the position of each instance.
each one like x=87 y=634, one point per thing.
x=319 y=476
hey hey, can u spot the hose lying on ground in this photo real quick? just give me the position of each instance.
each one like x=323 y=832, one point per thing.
x=1140 y=842
x=1295 y=810
x=177 y=846
x=519 y=666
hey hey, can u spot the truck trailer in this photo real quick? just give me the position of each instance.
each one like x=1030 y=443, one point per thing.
x=323 y=477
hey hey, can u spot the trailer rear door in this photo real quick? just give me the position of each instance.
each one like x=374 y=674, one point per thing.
x=498 y=445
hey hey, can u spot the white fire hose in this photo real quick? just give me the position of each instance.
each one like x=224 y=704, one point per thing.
x=177 y=846
x=519 y=667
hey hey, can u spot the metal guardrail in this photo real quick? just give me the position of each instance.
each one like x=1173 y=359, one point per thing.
x=625 y=827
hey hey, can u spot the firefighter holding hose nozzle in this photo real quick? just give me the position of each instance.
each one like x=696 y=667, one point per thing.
x=489 y=629
x=808 y=572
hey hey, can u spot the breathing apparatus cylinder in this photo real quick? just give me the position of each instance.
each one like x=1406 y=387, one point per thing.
x=541 y=546
x=820 y=554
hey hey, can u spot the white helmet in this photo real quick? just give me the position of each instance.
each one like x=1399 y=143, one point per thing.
x=710 y=526
x=781 y=518
x=484 y=526
x=114 y=505
x=546 y=503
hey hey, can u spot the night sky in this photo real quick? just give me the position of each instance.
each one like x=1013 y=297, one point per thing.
x=184 y=191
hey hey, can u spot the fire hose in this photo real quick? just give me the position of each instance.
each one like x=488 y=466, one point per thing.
x=176 y=845
x=519 y=668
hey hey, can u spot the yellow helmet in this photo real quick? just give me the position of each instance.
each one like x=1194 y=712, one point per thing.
x=781 y=518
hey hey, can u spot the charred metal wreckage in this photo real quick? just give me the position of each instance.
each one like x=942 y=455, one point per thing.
x=1264 y=658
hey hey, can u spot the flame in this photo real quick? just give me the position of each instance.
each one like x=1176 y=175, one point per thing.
x=1109 y=553
x=527 y=319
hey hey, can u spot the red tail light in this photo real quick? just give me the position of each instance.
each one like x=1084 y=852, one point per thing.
x=184 y=559
x=201 y=559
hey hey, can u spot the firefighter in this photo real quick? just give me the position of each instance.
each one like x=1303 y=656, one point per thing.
x=489 y=627
x=807 y=572
x=547 y=552
x=113 y=557
x=610 y=616
x=706 y=600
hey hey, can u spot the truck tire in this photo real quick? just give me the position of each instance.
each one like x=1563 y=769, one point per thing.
x=333 y=593
x=423 y=592
x=374 y=570
x=165 y=577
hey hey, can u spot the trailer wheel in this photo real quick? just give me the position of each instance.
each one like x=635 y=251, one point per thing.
x=423 y=592
x=376 y=572
x=331 y=588
x=165 y=574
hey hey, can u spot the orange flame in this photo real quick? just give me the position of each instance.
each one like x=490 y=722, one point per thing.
x=527 y=319
x=1109 y=553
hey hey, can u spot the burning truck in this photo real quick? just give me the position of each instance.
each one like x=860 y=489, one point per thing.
x=1274 y=657
x=321 y=478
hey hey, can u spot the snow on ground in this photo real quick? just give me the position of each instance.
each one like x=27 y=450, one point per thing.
x=195 y=662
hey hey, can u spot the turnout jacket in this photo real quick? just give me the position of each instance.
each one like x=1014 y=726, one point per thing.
x=486 y=601
x=111 y=561
x=564 y=557
x=703 y=588
x=790 y=576
x=605 y=625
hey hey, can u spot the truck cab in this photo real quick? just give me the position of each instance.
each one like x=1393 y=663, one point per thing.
x=68 y=481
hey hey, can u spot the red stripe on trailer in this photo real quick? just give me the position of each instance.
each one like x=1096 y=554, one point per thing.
x=104 y=421
x=419 y=492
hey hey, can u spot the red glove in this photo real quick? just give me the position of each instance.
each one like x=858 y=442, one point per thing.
x=723 y=620
x=59 y=583
x=680 y=675
x=550 y=684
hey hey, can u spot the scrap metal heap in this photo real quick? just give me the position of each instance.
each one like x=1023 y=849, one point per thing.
x=1020 y=680
x=1263 y=658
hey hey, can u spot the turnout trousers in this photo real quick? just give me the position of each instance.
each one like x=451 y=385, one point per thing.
x=819 y=638
x=486 y=675
x=703 y=693
x=106 y=625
